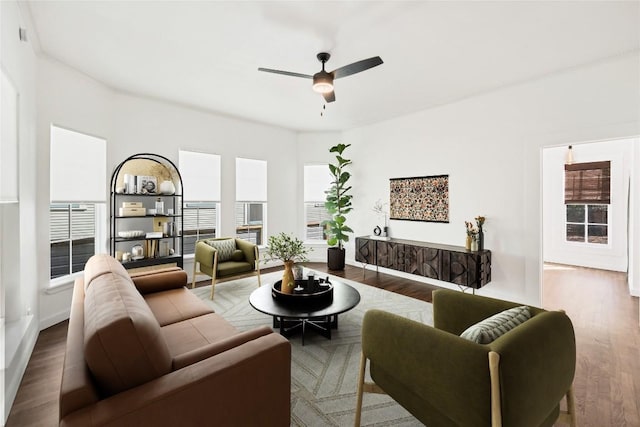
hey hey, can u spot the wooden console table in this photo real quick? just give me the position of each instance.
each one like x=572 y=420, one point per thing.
x=453 y=264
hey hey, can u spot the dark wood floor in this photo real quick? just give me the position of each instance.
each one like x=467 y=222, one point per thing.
x=605 y=318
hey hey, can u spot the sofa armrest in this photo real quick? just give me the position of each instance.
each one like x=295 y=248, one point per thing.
x=204 y=352
x=248 y=249
x=204 y=254
x=161 y=280
x=246 y=385
x=424 y=368
x=455 y=311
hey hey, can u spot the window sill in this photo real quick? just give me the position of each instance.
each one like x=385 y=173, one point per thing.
x=61 y=284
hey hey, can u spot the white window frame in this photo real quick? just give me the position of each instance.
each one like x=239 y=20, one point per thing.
x=586 y=224
x=314 y=196
x=248 y=194
x=201 y=168
x=68 y=169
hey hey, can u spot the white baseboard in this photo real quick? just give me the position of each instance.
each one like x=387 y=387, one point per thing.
x=54 y=319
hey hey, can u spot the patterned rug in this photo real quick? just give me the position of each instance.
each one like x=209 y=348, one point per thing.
x=324 y=372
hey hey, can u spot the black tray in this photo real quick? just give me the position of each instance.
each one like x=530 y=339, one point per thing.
x=316 y=292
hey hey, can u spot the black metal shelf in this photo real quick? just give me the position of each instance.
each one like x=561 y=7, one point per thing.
x=168 y=169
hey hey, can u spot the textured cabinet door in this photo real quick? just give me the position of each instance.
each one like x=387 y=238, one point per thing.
x=366 y=250
x=390 y=255
x=422 y=261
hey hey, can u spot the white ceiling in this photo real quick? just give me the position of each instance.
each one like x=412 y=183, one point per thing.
x=205 y=54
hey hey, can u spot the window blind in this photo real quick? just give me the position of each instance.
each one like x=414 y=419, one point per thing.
x=587 y=183
x=78 y=167
x=251 y=180
x=200 y=176
x=317 y=179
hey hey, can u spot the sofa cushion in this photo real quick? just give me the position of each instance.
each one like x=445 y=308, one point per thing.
x=123 y=344
x=225 y=248
x=100 y=264
x=231 y=268
x=237 y=255
x=175 y=305
x=188 y=335
x=493 y=327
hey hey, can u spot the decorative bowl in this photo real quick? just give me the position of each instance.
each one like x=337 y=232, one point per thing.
x=131 y=234
x=318 y=292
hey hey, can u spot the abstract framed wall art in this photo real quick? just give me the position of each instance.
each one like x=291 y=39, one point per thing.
x=424 y=198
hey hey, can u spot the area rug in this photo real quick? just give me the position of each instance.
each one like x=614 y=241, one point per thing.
x=324 y=372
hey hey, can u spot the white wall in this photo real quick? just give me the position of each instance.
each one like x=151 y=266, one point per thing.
x=18 y=235
x=613 y=255
x=490 y=146
x=132 y=124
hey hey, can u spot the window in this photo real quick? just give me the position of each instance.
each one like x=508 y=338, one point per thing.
x=587 y=223
x=78 y=187
x=73 y=230
x=317 y=180
x=251 y=199
x=587 y=198
x=201 y=182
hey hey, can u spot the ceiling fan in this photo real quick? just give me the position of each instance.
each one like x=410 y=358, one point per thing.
x=323 y=80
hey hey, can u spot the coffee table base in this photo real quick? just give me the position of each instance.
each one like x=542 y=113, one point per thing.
x=290 y=326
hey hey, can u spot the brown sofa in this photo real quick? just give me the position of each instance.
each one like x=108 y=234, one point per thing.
x=146 y=351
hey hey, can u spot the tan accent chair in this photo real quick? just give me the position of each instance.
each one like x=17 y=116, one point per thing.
x=206 y=261
x=145 y=351
x=519 y=379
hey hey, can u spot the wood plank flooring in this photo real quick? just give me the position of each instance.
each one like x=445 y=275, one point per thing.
x=605 y=317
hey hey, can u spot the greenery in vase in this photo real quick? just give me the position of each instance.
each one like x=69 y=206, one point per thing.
x=338 y=201
x=286 y=248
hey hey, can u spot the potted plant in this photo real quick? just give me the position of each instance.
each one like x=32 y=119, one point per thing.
x=338 y=204
x=288 y=249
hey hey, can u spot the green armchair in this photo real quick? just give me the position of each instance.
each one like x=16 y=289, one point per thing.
x=519 y=379
x=225 y=257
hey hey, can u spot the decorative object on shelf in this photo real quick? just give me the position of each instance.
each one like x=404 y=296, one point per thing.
x=167 y=187
x=159 y=206
x=137 y=252
x=147 y=184
x=467 y=244
x=132 y=209
x=288 y=249
x=423 y=198
x=472 y=232
x=480 y=222
x=474 y=243
x=379 y=208
x=338 y=204
x=377 y=231
x=131 y=234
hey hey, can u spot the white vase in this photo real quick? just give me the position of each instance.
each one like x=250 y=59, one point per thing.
x=167 y=187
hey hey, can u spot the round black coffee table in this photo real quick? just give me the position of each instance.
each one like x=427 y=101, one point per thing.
x=291 y=318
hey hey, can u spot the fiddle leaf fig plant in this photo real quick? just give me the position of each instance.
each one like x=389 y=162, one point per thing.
x=338 y=202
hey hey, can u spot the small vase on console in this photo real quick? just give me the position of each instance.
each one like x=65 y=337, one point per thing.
x=480 y=239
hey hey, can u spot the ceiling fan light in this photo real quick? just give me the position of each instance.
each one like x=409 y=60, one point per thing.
x=322 y=82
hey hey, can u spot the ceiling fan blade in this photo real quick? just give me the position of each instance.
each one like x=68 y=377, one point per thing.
x=286 y=73
x=329 y=96
x=356 y=67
